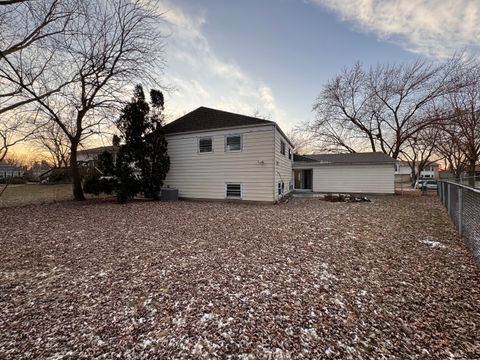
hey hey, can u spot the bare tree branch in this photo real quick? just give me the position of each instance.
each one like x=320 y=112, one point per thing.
x=108 y=46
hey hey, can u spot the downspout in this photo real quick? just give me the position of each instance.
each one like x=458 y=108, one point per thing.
x=274 y=166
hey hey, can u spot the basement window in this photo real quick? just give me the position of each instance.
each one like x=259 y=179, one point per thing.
x=281 y=188
x=233 y=191
x=233 y=143
x=205 y=145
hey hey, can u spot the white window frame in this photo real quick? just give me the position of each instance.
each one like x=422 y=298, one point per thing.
x=234 y=197
x=232 y=135
x=290 y=154
x=283 y=147
x=198 y=144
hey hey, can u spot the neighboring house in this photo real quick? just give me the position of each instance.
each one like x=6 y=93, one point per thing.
x=430 y=171
x=403 y=172
x=89 y=156
x=372 y=172
x=221 y=155
x=9 y=171
x=37 y=170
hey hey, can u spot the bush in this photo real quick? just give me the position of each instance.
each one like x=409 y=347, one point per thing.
x=108 y=185
x=60 y=176
x=96 y=185
x=91 y=185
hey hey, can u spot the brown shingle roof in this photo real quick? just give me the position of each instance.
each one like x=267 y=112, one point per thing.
x=351 y=158
x=205 y=118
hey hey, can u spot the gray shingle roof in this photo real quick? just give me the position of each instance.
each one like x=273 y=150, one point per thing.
x=350 y=158
x=205 y=118
x=8 y=167
x=99 y=150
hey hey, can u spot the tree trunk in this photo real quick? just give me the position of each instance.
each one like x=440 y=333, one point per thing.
x=76 y=177
x=471 y=173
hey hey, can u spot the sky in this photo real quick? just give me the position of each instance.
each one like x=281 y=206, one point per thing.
x=273 y=56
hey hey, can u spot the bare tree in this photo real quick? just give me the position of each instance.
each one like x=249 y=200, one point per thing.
x=464 y=126
x=53 y=139
x=343 y=113
x=13 y=130
x=108 y=45
x=381 y=109
x=24 y=27
x=420 y=150
x=301 y=141
x=448 y=146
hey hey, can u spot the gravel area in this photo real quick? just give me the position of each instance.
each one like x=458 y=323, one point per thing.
x=304 y=279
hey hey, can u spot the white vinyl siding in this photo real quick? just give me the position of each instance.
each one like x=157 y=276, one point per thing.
x=283 y=165
x=203 y=176
x=354 y=179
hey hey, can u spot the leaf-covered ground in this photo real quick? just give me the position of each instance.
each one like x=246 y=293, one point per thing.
x=305 y=279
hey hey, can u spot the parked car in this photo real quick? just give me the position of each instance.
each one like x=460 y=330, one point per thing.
x=418 y=183
x=430 y=184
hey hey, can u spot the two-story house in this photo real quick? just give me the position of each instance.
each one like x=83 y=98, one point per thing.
x=221 y=155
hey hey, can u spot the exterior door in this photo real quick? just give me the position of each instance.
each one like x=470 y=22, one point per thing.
x=303 y=179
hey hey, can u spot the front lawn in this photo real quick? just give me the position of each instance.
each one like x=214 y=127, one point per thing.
x=306 y=279
x=16 y=195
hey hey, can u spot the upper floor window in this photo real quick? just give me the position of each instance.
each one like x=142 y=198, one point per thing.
x=282 y=147
x=289 y=154
x=205 y=145
x=233 y=143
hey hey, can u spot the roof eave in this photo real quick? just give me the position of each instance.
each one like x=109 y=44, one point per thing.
x=218 y=129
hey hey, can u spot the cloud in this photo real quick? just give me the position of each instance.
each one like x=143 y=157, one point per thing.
x=435 y=28
x=201 y=77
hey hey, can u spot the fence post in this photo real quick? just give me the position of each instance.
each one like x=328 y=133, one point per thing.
x=448 y=199
x=460 y=210
x=445 y=194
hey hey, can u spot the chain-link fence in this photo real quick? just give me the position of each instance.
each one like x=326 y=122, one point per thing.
x=463 y=205
x=472 y=181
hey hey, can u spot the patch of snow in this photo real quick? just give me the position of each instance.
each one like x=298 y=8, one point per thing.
x=59 y=356
x=146 y=343
x=329 y=352
x=207 y=317
x=433 y=244
x=310 y=332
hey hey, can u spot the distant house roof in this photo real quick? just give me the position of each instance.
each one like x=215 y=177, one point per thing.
x=204 y=118
x=40 y=167
x=99 y=150
x=349 y=158
x=8 y=167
